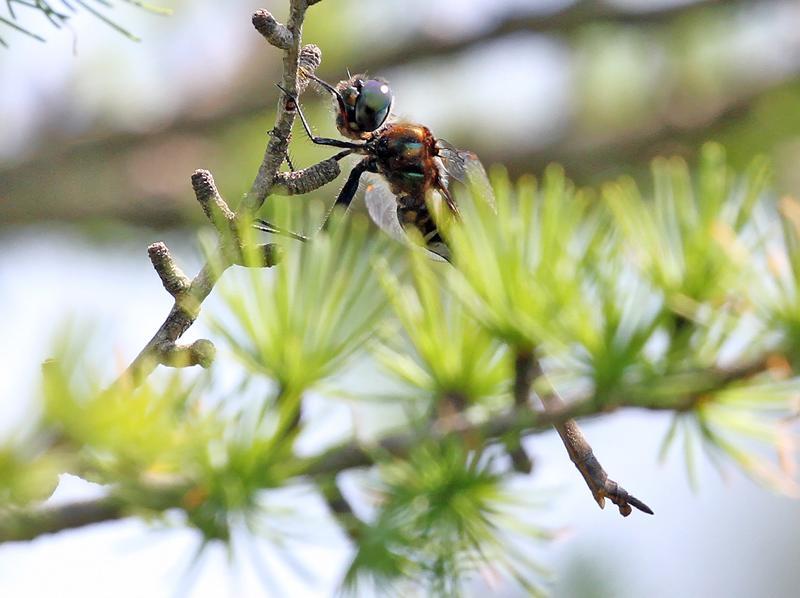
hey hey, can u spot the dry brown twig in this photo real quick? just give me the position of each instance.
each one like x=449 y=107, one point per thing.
x=528 y=371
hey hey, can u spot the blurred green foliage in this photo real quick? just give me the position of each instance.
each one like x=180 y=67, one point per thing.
x=680 y=297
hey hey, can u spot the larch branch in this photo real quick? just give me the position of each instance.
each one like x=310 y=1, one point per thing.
x=24 y=524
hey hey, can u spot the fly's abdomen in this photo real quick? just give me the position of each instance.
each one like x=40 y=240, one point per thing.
x=411 y=214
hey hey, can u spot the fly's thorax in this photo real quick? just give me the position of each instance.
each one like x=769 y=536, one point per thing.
x=405 y=156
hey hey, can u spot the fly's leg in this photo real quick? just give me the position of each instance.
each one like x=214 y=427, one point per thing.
x=268 y=227
x=314 y=139
x=348 y=192
x=445 y=192
x=344 y=198
x=327 y=86
x=274 y=229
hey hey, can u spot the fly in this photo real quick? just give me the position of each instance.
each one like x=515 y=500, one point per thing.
x=414 y=168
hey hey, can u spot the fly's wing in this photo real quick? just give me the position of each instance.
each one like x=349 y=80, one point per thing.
x=465 y=167
x=382 y=208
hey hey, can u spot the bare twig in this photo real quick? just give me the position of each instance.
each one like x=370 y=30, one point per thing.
x=303 y=181
x=215 y=208
x=279 y=139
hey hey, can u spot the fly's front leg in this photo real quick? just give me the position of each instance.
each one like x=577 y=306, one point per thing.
x=314 y=139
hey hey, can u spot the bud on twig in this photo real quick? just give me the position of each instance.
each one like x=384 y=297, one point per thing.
x=304 y=181
x=308 y=62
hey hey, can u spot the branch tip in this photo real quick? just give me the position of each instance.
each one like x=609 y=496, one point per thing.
x=274 y=32
x=172 y=277
x=205 y=189
x=527 y=370
x=620 y=497
x=215 y=208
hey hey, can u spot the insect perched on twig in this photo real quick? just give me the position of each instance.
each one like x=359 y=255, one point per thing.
x=415 y=168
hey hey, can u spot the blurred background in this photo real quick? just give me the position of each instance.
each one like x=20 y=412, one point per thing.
x=98 y=138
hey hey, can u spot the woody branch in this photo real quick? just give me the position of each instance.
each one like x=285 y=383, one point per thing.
x=189 y=294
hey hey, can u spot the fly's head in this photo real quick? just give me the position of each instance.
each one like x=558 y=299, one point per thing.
x=363 y=105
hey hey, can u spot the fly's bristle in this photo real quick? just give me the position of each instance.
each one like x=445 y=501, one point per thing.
x=350 y=81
